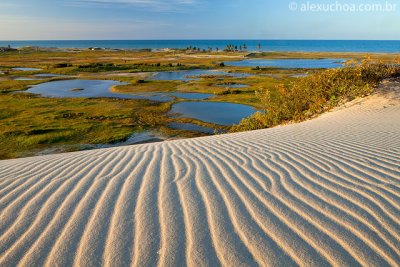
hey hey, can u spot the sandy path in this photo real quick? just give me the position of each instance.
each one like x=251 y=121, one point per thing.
x=323 y=192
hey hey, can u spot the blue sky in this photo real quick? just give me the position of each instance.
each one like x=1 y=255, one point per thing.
x=191 y=19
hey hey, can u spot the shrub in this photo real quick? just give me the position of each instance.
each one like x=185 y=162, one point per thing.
x=62 y=65
x=316 y=93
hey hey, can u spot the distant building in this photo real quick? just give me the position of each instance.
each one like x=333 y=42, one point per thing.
x=96 y=48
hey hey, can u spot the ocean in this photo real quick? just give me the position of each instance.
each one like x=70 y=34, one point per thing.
x=252 y=45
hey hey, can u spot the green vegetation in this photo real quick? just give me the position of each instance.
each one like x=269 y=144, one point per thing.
x=385 y=58
x=69 y=61
x=146 y=86
x=30 y=124
x=138 y=67
x=312 y=95
x=13 y=85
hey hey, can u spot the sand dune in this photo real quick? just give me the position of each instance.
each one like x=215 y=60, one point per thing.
x=323 y=192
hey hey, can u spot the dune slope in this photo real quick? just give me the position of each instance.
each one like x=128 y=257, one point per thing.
x=322 y=192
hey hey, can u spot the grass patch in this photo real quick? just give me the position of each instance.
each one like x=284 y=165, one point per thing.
x=147 y=86
x=138 y=67
x=29 y=123
x=15 y=85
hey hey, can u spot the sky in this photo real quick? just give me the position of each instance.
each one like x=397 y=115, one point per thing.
x=199 y=19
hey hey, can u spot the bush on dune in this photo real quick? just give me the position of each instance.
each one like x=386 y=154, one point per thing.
x=316 y=93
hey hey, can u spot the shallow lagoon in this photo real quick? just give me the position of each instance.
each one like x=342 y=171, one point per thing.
x=49 y=75
x=213 y=112
x=192 y=96
x=25 y=79
x=220 y=113
x=233 y=85
x=102 y=88
x=326 y=63
x=39 y=77
x=192 y=75
x=67 y=88
x=26 y=69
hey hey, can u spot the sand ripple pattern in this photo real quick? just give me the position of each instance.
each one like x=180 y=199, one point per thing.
x=320 y=193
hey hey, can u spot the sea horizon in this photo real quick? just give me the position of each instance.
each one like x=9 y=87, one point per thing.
x=275 y=45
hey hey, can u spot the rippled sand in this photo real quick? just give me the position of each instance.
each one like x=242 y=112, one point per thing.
x=323 y=192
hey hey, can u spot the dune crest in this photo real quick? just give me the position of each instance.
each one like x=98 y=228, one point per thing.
x=322 y=192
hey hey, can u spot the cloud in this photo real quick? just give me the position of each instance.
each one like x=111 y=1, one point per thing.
x=153 y=5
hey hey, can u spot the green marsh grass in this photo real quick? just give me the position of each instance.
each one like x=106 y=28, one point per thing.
x=30 y=123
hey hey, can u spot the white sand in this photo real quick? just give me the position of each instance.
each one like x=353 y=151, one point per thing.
x=322 y=192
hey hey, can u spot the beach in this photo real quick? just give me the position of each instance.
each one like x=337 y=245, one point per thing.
x=318 y=193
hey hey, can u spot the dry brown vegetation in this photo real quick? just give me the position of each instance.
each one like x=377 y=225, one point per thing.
x=306 y=97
